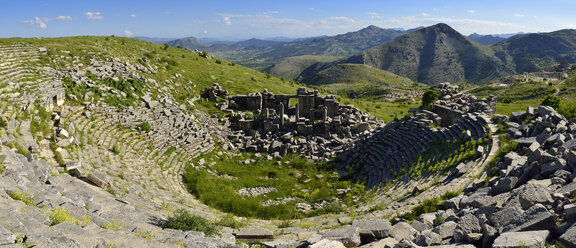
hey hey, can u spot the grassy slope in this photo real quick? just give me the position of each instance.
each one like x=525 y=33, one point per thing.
x=293 y=67
x=197 y=72
x=360 y=80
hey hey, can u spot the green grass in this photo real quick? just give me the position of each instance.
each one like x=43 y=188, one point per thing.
x=24 y=197
x=59 y=215
x=428 y=206
x=113 y=225
x=182 y=220
x=296 y=177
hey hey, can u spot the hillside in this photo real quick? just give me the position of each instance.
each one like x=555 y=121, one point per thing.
x=189 y=42
x=438 y=54
x=534 y=52
x=358 y=81
x=260 y=54
x=433 y=55
x=485 y=39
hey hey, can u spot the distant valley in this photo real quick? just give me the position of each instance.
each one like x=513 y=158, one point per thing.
x=429 y=55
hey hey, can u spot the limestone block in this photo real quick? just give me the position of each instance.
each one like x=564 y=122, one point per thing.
x=529 y=239
x=97 y=179
x=254 y=234
x=402 y=230
x=349 y=237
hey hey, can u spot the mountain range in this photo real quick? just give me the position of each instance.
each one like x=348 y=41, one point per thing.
x=428 y=55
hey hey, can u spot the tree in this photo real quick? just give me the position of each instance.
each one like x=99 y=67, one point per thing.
x=552 y=101
x=429 y=97
x=166 y=46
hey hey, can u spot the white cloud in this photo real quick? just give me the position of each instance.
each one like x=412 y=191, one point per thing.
x=425 y=14
x=518 y=15
x=37 y=22
x=471 y=11
x=93 y=15
x=226 y=20
x=336 y=19
x=133 y=15
x=64 y=18
x=374 y=15
x=128 y=33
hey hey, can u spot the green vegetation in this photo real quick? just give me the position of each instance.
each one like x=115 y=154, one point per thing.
x=293 y=177
x=22 y=196
x=428 y=206
x=429 y=163
x=143 y=234
x=182 y=220
x=552 y=101
x=58 y=215
x=113 y=225
x=145 y=126
x=230 y=221
x=429 y=97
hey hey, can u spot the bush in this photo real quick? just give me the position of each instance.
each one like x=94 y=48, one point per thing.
x=229 y=221
x=145 y=126
x=427 y=206
x=182 y=220
x=429 y=97
x=552 y=101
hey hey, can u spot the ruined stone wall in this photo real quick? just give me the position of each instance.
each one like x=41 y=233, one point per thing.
x=449 y=116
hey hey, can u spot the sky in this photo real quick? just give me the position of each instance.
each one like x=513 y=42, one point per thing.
x=243 y=19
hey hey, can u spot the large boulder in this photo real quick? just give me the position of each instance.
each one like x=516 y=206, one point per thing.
x=349 y=237
x=468 y=224
x=530 y=239
x=402 y=230
x=372 y=229
x=530 y=194
x=535 y=218
x=569 y=237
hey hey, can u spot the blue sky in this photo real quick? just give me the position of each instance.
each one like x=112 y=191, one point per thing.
x=241 y=19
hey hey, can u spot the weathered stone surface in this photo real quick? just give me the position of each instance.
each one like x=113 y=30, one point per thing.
x=570 y=211
x=98 y=180
x=446 y=229
x=535 y=218
x=284 y=244
x=326 y=243
x=419 y=225
x=569 y=237
x=428 y=238
x=530 y=194
x=501 y=218
x=529 y=239
x=467 y=225
x=402 y=230
x=372 y=229
x=349 y=237
x=383 y=243
x=504 y=185
x=6 y=237
x=254 y=234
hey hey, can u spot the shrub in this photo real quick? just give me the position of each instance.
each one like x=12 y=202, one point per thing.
x=429 y=97
x=145 y=126
x=22 y=196
x=229 y=221
x=3 y=122
x=552 y=101
x=426 y=206
x=182 y=220
x=59 y=215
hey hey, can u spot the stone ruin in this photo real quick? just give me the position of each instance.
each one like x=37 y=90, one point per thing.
x=453 y=104
x=316 y=126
